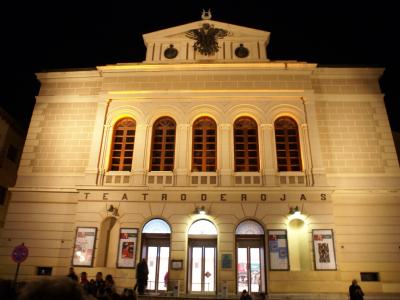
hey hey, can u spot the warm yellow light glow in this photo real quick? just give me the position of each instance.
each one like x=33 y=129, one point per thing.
x=203 y=91
x=297 y=215
x=207 y=66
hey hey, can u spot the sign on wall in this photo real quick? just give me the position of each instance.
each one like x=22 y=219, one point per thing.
x=226 y=261
x=84 y=246
x=278 y=250
x=324 y=249
x=127 y=247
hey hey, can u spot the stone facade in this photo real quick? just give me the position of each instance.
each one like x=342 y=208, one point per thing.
x=349 y=181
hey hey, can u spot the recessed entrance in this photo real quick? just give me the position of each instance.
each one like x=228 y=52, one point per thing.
x=202 y=257
x=155 y=248
x=250 y=259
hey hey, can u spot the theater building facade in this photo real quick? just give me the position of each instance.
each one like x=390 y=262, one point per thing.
x=225 y=170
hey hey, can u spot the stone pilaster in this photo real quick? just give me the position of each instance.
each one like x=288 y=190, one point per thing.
x=182 y=155
x=268 y=152
x=225 y=154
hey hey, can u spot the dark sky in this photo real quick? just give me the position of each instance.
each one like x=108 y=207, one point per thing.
x=38 y=36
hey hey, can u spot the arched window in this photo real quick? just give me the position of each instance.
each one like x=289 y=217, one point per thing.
x=123 y=142
x=156 y=226
x=246 y=145
x=287 y=145
x=249 y=227
x=204 y=146
x=163 y=145
x=202 y=227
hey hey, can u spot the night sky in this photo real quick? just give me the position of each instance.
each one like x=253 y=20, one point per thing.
x=60 y=34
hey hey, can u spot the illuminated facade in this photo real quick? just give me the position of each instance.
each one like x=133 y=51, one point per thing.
x=292 y=165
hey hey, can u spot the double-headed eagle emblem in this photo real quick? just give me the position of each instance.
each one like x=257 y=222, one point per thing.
x=206 y=38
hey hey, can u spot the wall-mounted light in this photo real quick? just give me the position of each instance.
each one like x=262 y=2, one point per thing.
x=295 y=214
x=113 y=210
x=200 y=210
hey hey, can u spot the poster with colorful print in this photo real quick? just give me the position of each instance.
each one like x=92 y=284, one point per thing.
x=324 y=249
x=127 y=247
x=278 y=250
x=84 y=246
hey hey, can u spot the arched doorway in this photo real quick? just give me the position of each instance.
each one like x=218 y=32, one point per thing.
x=202 y=257
x=250 y=258
x=155 y=248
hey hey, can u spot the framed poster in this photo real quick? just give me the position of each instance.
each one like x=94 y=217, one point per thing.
x=324 y=249
x=177 y=264
x=127 y=248
x=278 y=250
x=85 y=240
x=226 y=261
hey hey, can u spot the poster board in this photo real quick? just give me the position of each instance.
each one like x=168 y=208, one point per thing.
x=226 y=261
x=278 y=250
x=127 y=245
x=177 y=264
x=324 y=249
x=85 y=240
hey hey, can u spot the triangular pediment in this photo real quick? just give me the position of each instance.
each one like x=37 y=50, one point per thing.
x=182 y=47
x=180 y=31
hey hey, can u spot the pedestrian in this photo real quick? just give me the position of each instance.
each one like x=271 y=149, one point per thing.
x=85 y=283
x=142 y=273
x=245 y=295
x=166 y=278
x=109 y=283
x=99 y=285
x=71 y=274
x=355 y=291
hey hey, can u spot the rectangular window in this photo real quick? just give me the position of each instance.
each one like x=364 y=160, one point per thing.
x=369 y=276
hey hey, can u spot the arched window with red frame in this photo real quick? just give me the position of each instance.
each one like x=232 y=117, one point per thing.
x=123 y=143
x=204 y=145
x=163 y=145
x=246 y=145
x=287 y=145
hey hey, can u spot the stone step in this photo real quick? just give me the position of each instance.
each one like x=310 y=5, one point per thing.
x=272 y=297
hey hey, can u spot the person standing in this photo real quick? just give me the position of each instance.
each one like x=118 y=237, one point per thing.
x=245 y=295
x=142 y=273
x=85 y=282
x=355 y=291
x=71 y=275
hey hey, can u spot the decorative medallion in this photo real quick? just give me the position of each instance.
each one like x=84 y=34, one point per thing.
x=241 y=51
x=170 y=52
x=206 y=38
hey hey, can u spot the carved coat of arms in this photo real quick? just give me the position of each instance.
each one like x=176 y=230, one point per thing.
x=206 y=38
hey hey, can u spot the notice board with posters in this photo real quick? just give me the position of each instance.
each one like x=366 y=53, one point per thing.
x=85 y=240
x=324 y=249
x=127 y=248
x=278 y=250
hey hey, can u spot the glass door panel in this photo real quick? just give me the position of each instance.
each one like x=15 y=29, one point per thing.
x=197 y=257
x=242 y=269
x=255 y=270
x=163 y=268
x=152 y=265
x=209 y=269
